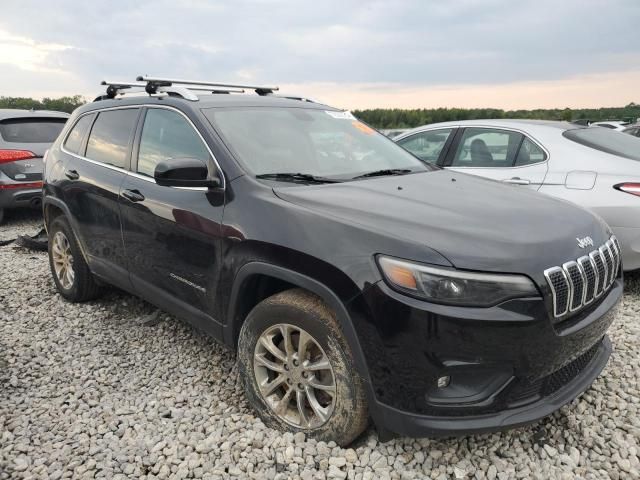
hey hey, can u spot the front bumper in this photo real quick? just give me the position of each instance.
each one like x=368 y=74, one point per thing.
x=508 y=365
x=413 y=425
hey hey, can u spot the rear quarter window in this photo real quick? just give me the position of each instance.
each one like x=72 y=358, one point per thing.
x=31 y=130
x=605 y=140
x=73 y=143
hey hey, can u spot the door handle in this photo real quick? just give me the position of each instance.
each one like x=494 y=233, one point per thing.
x=517 y=181
x=133 y=195
x=72 y=174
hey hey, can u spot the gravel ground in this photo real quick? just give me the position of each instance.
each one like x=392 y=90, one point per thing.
x=109 y=390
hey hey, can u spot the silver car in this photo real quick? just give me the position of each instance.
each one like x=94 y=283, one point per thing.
x=25 y=135
x=597 y=168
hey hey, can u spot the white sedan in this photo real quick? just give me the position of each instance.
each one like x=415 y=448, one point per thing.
x=597 y=168
x=612 y=124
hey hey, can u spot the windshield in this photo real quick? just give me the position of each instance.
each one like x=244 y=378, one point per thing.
x=605 y=140
x=316 y=142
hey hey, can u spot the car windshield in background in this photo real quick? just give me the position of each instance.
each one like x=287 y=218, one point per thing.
x=605 y=140
x=321 y=143
x=31 y=130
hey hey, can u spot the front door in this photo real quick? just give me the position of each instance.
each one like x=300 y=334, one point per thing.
x=499 y=154
x=171 y=235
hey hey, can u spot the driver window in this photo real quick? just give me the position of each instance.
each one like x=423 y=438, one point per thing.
x=427 y=146
x=166 y=134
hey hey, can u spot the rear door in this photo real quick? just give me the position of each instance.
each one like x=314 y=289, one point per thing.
x=95 y=173
x=27 y=135
x=171 y=234
x=499 y=154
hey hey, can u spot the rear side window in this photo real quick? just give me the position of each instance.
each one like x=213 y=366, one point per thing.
x=427 y=146
x=487 y=147
x=529 y=154
x=31 y=130
x=73 y=143
x=605 y=140
x=109 y=139
x=166 y=134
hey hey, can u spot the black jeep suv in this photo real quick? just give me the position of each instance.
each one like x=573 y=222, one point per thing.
x=354 y=280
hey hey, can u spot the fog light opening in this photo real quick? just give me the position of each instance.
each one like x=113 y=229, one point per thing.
x=444 y=381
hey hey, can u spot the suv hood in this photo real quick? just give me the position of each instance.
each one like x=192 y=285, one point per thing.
x=475 y=223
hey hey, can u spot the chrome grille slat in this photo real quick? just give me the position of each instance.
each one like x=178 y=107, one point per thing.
x=589 y=270
x=616 y=257
x=600 y=271
x=579 y=282
x=576 y=285
x=608 y=262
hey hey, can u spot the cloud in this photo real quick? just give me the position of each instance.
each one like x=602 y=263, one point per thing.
x=410 y=44
x=598 y=90
x=26 y=54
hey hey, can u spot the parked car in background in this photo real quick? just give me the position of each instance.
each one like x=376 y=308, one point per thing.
x=353 y=280
x=611 y=124
x=633 y=130
x=394 y=132
x=25 y=135
x=597 y=168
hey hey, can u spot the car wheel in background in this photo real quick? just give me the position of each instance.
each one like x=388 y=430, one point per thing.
x=298 y=371
x=71 y=273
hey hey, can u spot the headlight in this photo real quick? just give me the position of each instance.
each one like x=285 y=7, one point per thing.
x=454 y=287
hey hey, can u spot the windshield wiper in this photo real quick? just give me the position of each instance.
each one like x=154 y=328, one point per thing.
x=384 y=172
x=297 y=177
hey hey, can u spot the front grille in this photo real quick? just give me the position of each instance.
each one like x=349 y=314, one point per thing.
x=566 y=374
x=523 y=391
x=578 y=282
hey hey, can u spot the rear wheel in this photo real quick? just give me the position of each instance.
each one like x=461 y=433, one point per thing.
x=71 y=274
x=298 y=370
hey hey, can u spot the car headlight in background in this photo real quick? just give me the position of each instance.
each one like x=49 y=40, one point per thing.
x=454 y=287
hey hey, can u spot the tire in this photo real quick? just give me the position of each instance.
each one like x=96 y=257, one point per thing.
x=80 y=285
x=343 y=414
x=1 y=215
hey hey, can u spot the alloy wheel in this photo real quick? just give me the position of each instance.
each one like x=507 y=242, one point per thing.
x=294 y=376
x=62 y=260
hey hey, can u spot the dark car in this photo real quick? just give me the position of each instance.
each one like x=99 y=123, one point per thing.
x=25 y=136
x=353 y=280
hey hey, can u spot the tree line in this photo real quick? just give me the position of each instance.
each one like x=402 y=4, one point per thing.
x=403 y=118
x=61 y=104
x=392 y=117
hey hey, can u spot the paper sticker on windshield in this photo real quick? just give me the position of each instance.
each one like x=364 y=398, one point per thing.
x=363 y=128
x=346 y=115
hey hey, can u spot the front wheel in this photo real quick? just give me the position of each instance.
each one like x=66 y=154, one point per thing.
x=298 y=371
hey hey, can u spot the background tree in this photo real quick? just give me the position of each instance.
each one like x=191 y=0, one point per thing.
x=400 y=118
x=62 y=104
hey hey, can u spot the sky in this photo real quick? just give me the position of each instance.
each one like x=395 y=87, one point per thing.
x=352 y=54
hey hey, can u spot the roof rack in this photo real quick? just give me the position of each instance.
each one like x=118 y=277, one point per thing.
x=166 y=82
x=159 y=87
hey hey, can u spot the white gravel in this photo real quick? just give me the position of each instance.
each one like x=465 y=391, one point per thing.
x=94 y=390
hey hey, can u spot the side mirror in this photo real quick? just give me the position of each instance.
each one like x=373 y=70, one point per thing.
x=184 y=172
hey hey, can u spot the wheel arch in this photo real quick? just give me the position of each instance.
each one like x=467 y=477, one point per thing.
x=286 y=279
x=52 y=208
